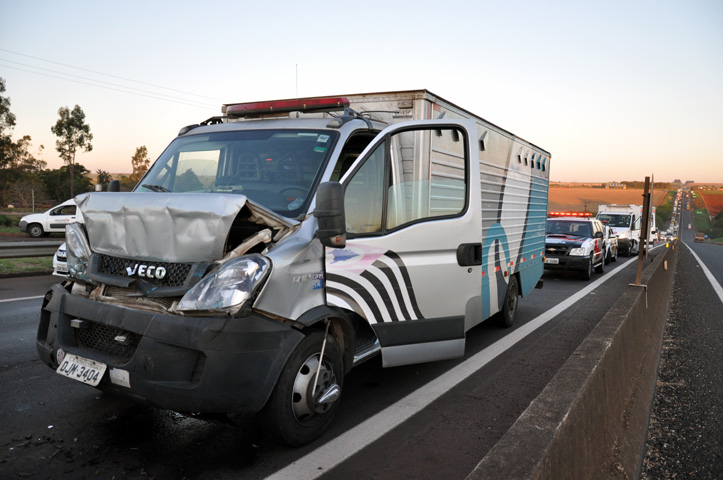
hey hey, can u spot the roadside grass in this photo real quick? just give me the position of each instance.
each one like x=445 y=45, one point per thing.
x=11 y=230
x=9 y=266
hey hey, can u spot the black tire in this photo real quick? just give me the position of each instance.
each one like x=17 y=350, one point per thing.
x=35 y=230
x=292 y=415
x=587 y=273
x=506 y=317
x=600 y=268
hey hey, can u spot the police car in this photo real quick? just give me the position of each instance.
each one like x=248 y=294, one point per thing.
x=575 y=241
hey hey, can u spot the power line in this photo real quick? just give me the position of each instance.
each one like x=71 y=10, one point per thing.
x=109 y=75
x=102 y=82
x=109 y=88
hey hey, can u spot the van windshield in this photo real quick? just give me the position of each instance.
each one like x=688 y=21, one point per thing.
x=614 y=220
x=565 y=227
x=275 y=168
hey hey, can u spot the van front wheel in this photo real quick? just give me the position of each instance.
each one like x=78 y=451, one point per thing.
x=297 y=412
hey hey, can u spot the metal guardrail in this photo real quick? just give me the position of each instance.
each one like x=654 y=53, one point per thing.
x=29 y=249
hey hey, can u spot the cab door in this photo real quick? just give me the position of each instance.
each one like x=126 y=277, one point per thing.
x=60 y=217
x=410 y=266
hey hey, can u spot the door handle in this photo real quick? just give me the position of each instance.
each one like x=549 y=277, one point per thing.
x=469 y=254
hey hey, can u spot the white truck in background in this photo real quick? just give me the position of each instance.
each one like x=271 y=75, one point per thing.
x=626 y=221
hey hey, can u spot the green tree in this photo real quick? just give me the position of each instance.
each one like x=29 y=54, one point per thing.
x=58 y=182
x=104 y=178
x=7 y=123
x=73 y=135
x=126 y=184
x=140 y=163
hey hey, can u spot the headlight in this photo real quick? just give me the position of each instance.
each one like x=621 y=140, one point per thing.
x=623 y=235
x=78 y=252
x=577 y=252
x=228 y=287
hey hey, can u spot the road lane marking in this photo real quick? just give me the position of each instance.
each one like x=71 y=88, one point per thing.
x=711 y=278
x=320 y=461
x=21 y=299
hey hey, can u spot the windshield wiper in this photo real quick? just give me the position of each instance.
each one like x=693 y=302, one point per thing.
x=155 y=188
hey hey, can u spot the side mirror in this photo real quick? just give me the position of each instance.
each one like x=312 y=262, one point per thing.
x=599 y=234
x=114 y=186
x=329 y=214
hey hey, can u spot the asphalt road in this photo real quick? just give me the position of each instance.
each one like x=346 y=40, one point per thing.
x=56 y=428
x=685 y=437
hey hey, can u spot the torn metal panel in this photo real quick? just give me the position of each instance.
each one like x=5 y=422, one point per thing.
x=173 y=227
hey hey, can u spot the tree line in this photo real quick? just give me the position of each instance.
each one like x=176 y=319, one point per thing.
x=25 y=179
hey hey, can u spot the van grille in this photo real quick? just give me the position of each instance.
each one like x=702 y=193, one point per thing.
x=101 y=341
x=176 y=273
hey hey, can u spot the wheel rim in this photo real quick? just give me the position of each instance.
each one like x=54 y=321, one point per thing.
x=34 y=231
x=303 y=399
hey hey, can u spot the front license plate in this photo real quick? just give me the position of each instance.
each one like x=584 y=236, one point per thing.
x=82 y=369
x=552 y=261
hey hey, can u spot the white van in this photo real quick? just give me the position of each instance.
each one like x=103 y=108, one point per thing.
x=269 y=251
x=53 y=221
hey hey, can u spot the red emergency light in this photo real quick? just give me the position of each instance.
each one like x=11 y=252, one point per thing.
x=284 y=106
x=570 y=214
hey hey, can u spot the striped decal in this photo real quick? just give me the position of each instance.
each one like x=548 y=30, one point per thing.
x=380 y=292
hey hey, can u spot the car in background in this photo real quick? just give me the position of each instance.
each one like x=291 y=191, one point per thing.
x=699 y=237
x=53 y=221
x=60 y=264
x=575 y=241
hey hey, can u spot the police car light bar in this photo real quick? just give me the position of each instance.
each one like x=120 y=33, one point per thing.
x=570 y=214
x=327 y=104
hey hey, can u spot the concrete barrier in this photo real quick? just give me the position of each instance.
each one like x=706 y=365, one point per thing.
x=591 y=420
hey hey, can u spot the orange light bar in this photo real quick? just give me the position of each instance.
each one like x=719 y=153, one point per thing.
x=285 y=106
x=570 y=214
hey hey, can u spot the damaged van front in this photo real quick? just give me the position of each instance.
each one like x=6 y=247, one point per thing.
x=185 y=293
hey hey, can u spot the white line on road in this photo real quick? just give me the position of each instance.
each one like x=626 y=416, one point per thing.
x=711 y=278
x=21 y=299
x=331 y=454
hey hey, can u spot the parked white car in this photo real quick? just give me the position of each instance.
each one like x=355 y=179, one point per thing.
x=60 y=265
x=53 y=221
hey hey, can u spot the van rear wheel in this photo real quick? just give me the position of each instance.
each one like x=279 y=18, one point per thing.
x=509 y=308
x=297 y=413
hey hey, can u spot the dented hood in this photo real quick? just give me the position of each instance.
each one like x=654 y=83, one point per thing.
x=171 y=227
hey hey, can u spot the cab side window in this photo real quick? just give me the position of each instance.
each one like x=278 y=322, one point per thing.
x=66 y=210
x=414 y=175
x=364 y=194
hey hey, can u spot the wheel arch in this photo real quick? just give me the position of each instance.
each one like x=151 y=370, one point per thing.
x=342 y=328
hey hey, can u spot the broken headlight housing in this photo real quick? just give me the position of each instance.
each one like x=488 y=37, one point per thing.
x=227 y=288
x=78 y=252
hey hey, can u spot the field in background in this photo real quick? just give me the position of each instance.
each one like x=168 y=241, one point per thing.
x=713 y=201
x=580 y=199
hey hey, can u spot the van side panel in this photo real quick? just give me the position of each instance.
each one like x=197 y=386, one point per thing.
x=514 y=183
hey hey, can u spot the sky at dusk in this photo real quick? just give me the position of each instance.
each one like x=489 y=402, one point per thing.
x=615 y=90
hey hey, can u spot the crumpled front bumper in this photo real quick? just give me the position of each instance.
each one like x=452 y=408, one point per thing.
x=209 y=364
